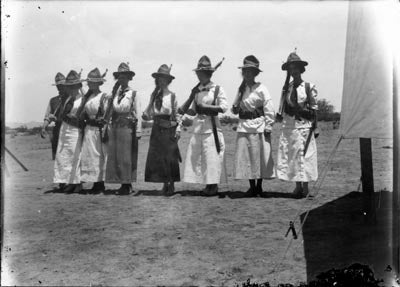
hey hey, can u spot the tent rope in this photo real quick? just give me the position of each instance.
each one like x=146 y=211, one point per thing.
x=319 y=183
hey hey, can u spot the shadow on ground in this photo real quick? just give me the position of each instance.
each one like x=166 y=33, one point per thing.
x=338 y=234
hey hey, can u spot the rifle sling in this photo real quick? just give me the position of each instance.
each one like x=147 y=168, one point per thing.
x=214 y=124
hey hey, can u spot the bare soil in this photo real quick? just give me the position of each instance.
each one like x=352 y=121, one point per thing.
x=52 y=238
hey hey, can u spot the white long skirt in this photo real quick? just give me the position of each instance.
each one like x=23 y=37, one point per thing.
x=203 y=163
x=67 y=163
x=253 y=157
x=292 y=165
x=94 y=156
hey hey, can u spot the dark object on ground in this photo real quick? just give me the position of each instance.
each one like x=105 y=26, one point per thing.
x=356 y=275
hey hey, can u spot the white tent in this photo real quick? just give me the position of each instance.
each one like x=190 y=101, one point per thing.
x=370 y=103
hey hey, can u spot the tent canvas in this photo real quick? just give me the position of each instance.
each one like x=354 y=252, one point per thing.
x=370 y=104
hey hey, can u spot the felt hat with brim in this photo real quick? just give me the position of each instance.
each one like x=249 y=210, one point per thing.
x=163 y=71
x=123 y=68
x=94 y=76
x=293 y=59
x=204 y=64
x=251 y=62
x=59 y=79
x=73 y=78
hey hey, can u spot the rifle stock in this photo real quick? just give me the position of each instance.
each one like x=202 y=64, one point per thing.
x=184 y=108
x=282 y=102
x=108 y=113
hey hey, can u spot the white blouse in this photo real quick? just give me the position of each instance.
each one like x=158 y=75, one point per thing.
x=202 y=123
x=93 y=103
x=75 y=107
x=256 y=97
x=128 y=104
x=166 y=109
x=291 y=122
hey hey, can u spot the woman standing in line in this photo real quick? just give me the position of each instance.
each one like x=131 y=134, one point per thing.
x=162 y=164
x=253 y=104
x=205 y=154
x=68 y=156
x=124 y=133
x=297 y=153
x=94 y=153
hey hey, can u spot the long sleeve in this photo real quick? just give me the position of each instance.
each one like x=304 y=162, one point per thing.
x=178 y=116
x=136 y=109
x=47 y=113
x=313 y=99
x=222 y=100
x=269 y=112
x=148 y=112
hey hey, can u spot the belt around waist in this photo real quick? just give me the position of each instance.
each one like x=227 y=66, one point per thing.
x=73 y=122
x=164 y=123
x=248 y=115
x=124 y=122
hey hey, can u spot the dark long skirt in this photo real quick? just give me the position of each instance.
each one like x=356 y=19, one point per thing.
x=163 y=158
x=122 y=155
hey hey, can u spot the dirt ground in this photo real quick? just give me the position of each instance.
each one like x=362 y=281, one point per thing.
x=81 y=239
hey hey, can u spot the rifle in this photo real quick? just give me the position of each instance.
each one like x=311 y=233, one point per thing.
x=184 y=108
x=108 y=113
x=285 y=89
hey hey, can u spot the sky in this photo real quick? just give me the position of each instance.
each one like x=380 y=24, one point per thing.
x=46 y=37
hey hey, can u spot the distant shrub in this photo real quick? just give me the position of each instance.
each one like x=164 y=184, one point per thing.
x=147 y=124
x=34 y=131
x=225 y=119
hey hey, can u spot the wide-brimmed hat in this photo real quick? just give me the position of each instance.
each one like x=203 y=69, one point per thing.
x=95 y=76
x=204 y=64
x=59 y=79
x=251 y=62
x=293 y=59
x=123 y=68
x=163 y=71
x=73 y=78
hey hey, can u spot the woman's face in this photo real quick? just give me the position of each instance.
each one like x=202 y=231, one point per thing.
x=203 y=77
x=93 y=85
x=248 y=74
x=163 y=82
x=123 y=79
x=294 y=71
x=73 y=89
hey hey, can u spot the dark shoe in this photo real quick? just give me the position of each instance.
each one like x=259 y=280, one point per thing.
x=212 y=190
x=164 y=189
x=69 y=188
x=297 y=193
x=61 y=186
x=78 y=188
x=98 y=187
x=170 y=191
x=259 y=191
x=125 y=189
x=251 y=192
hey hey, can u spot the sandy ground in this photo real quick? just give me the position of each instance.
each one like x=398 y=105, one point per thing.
x=80 y=239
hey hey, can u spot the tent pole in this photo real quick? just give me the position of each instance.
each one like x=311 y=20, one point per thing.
x=367 y=178
x=396 y=175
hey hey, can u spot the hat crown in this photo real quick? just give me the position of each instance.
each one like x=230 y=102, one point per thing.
x=123 y=67
x=293 y=57
x=60 y=78
x=94 y=74
x=204 y=62
x=72 y=77
x=164 y=69
x=251 y=60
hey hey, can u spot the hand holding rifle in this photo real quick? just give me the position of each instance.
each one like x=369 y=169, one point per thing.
x=285 y=89
x=108 y=113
